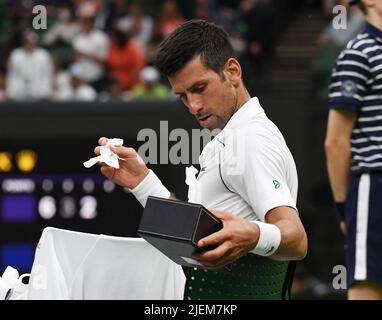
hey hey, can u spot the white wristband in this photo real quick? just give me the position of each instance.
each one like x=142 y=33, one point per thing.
x=269 y=239
x=150 y=186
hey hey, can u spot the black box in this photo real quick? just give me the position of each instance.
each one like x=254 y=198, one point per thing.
x=175 y=227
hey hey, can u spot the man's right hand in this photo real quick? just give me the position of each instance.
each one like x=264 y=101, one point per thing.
x=132 y=169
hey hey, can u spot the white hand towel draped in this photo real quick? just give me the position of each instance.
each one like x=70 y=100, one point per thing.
x=194 y=186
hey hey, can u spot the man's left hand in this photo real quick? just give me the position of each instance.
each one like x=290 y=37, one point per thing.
x=233 y=241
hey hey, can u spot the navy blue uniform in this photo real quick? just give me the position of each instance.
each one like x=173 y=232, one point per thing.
x=356 y=86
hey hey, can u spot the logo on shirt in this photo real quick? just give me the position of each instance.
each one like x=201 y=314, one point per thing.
x=276 y=184
x=270 y=250
x=349 y=88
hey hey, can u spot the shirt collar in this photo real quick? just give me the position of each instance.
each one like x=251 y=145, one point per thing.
x=249 y=111
x=374 y=31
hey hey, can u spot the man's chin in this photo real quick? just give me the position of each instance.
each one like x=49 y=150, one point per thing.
x=210 y=128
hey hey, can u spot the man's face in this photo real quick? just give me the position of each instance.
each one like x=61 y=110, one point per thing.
x=378 y=7
x=211 y=99
x=373 y=5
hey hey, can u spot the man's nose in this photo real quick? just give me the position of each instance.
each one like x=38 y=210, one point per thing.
x=194 y=104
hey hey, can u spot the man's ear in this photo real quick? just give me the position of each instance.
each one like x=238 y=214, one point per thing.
x=232 y=71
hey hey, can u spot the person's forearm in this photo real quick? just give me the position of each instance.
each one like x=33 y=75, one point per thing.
x=150 y=186
x=293 y=245
x=338 y=164
x=287 y=235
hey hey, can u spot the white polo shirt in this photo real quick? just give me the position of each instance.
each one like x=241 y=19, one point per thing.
x=247 y=169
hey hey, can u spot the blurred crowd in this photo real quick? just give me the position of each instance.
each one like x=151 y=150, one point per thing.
x=105 y=49
x=330 y=43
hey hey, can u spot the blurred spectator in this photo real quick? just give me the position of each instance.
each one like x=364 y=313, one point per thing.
x=140 y=27
x=91 y=47
x=169 y=19
x=64 y=30
x=100 y=14
x=62 y=89
x=68 y=86
x=151 y=88
x=30 y=70
x=257 y=17
x=125 y=60
x=115 y=10
x=330 y=42
x=61 y=35
x=228 y=17
x=256 y=26
x=206 y=10
x=80 y=90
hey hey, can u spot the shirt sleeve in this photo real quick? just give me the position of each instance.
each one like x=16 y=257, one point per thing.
x=257 y=169
x=349 y=80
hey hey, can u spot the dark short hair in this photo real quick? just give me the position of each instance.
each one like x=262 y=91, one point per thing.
x=193 y=38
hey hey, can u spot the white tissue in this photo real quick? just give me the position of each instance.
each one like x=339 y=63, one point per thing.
x=194 y=186
x=116 y=142
x=106 y=155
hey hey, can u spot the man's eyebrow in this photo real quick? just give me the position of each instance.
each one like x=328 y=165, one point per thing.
x=197 y=83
